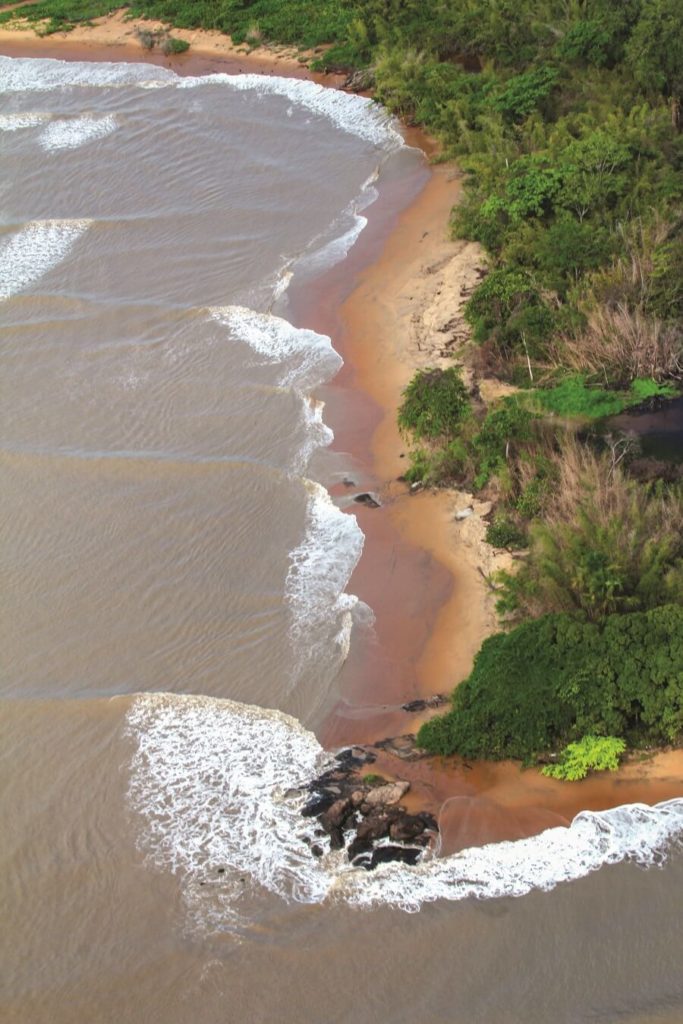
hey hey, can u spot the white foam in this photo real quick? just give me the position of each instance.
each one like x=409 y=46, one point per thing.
x=70 y=133
x=318 y=434
x=31 y=252
x=307 y=357
x=29 y=119
x=210 y=780
x=633 y=832
x=28 y=74
x=355 y=115
x=320 y=568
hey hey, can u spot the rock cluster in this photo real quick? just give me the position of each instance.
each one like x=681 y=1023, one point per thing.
x=361 y=812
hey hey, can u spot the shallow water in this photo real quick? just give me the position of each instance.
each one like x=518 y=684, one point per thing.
x=167 y=532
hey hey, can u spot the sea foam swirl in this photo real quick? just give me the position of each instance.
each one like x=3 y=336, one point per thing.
x=217 y=785
x=28 y=254
x=71 y=133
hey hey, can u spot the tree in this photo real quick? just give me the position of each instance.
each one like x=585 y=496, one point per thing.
x=655 y=52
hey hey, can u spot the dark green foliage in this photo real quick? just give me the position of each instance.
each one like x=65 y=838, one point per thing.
x=524 y=93
x=556 y=679
x=504 y=533
x=172 y=46
x=434 y=404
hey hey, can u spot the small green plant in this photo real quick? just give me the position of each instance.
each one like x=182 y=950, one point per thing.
x=372 y=779
x=172 y=46
x=504 y=533
x=590 y=754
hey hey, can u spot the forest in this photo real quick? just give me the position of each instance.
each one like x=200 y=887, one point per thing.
x=564 y=119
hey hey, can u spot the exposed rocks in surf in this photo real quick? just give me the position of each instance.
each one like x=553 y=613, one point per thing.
x=361 y=812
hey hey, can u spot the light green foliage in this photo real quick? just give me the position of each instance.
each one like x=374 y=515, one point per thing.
x=574 y=397
x=556 y=679
x=590 y=754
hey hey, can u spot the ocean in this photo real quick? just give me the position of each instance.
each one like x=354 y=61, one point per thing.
x=176 y=560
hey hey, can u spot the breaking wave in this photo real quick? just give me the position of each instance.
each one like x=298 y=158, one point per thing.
x=30 y=253
x=355 y=115
x=219 y=788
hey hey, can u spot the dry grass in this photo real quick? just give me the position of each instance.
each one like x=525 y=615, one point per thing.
x=622 y=344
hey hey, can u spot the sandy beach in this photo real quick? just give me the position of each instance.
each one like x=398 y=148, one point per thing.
x=422 y=571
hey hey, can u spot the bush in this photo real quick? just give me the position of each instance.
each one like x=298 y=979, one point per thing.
x=504 y=533
x=172 y=46
x=434 y=404
x=590 y=754
x=555 y=679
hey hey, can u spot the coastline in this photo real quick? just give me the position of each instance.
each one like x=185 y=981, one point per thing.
x=392 y=322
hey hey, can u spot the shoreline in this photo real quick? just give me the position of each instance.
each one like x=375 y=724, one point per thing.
x=393 y=321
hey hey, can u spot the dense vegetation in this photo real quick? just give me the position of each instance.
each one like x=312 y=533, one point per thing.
x=556 y=679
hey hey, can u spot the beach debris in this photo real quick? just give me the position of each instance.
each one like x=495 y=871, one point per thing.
x=422 y=703
x=349 y=481
x=368 y=498
x=464 y=513
x=417 y=486
x=362 y=813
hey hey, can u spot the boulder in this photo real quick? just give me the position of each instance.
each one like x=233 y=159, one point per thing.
x=336 y=814
x=389 y=794
x=384 y=854
x=406 y=827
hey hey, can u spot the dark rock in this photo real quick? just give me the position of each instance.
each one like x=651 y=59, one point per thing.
x=335 y=815
x=316 y=850
x=374 y=827
x=384 y=854
x=336 y=839
x=428 y=702
x=429 y=820
x=407 y=827
x=348 y=482
x=359 y=846
x=318 y=805
x=367 y=499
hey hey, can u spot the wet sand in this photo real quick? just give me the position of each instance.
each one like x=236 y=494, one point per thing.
x=391 y=306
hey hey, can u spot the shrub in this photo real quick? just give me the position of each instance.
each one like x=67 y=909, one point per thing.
x=504 y=533
x=433 y=405
x=556 y=679
x=590 y=754
x=172 y=46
